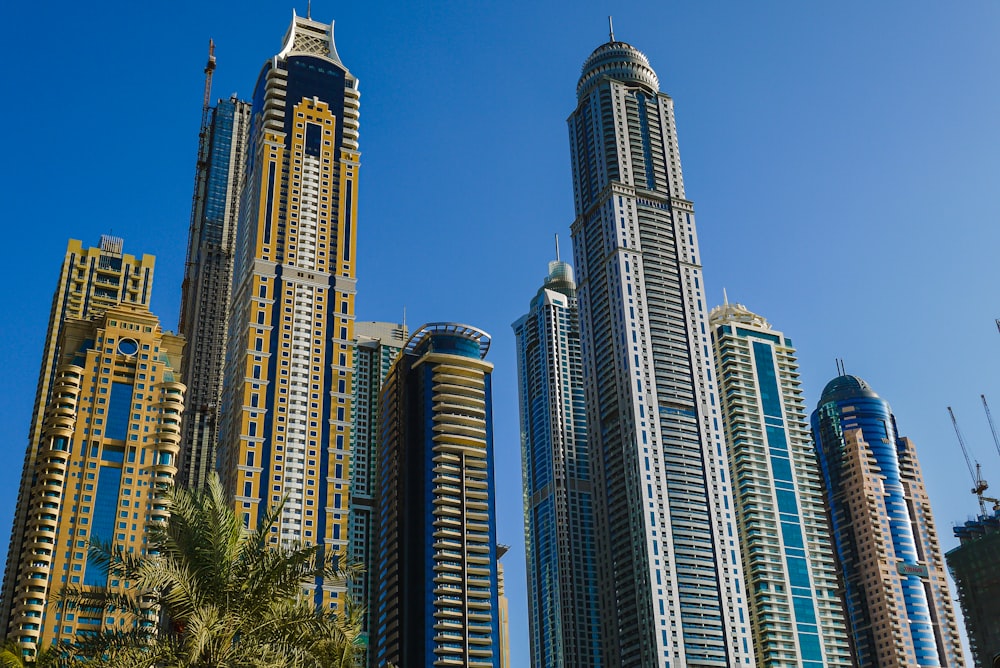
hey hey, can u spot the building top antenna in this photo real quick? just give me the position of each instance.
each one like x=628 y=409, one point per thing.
x=611 y=28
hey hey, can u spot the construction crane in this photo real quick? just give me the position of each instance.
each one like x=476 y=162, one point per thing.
x=979 y=485
x=989 y=416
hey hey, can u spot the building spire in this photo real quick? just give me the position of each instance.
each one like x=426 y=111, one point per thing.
x=611 y=28
x=557 y=247
x=309 y=9
x=725 y=297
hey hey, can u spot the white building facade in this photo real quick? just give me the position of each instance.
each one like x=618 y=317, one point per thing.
x=670 y=583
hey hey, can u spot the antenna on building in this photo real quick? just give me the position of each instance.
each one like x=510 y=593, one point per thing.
x=557 y=247
x=611 y=28
x=404 y=317
x=309 y=10
x=725 y=297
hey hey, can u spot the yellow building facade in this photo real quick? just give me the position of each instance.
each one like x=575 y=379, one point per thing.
x=287 y=399
x=109 y=440
x=91 y=280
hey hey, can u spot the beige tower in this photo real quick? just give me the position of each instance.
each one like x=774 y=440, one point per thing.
x=286 y=425
x=109 y=440
x=91 y=280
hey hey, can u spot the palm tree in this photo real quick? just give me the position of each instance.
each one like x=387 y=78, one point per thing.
x=227 y=597
x=12 y=656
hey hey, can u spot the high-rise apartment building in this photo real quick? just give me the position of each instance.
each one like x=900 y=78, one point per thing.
x=898 y=606
x=789 y=563
x=669 y=576
x=376 y=347
x=91 y=281
x=208 y=277
x=107 y=450
x=975 y=565
x=558 y=494
x=287 y=396
x=435 y=588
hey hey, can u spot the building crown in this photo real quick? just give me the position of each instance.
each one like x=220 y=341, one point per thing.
x=619 y=61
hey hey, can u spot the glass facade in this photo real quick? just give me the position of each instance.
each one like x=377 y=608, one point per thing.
x=782 y=524
x=208 y=276
x=558 y=490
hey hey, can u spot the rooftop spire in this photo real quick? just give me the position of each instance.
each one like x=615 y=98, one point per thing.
x=725 y=297
x=557 y=247
x=611 y=29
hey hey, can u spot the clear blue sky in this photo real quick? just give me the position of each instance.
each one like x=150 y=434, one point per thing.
x=842 y=157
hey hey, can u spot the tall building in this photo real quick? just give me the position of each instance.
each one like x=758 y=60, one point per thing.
x=974 y=565
x=91 y=281
x=558 y=494
x=287 y=395
x=208 y=276
x=669 y=576
x=788 y=561
x=436 y=599
x=376 y=347
x=898 y=606
x=107 y=453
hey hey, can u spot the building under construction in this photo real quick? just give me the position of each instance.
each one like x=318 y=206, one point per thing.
x=208 y=275
x=974 y=565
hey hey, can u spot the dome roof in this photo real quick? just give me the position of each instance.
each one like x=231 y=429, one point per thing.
x=619 y=61
x=846 y=387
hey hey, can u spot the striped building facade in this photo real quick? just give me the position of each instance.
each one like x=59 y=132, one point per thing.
x=286 y=429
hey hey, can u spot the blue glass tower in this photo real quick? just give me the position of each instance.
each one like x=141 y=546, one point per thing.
x=435 y=580
x=896 y=595
x=558 y=492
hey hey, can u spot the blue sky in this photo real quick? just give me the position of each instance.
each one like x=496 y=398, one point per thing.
x=842 y=158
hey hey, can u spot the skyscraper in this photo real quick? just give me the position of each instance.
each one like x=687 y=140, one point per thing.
x=788 y=561
x=973 y=564
x=107 y=454
x=208 y=276
x=897 y=601
x=436 y=600
x=287 y=395
x=91 y=281
x=376 y=347
x=558 y=494
x=669 y=575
